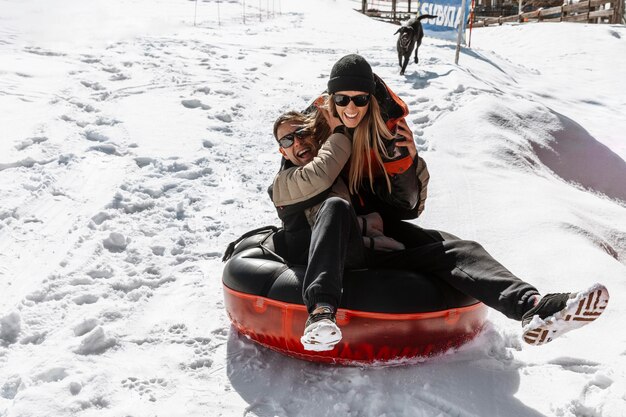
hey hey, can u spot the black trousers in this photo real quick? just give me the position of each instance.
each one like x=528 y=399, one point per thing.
x=336 y=244
x=464 y=264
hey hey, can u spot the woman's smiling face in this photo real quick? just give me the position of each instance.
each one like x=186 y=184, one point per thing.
x=351 y=115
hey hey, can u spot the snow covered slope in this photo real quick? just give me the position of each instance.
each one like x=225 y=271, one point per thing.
x=134 y=146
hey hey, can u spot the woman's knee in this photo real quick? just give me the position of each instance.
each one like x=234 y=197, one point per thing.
x=459 y=249
x=470 y=245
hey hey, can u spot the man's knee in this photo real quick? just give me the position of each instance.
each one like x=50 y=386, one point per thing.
x=335 y=205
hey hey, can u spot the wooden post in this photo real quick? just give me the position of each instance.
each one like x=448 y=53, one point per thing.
x=460 y=33
x=363 y=6
x=393 y=9
x=618 y=11
x=409 y=6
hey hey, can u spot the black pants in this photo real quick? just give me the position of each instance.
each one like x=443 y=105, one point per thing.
x=336 y=244
x=464 y=264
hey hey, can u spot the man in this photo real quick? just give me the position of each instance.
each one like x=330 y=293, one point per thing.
x=320 y=226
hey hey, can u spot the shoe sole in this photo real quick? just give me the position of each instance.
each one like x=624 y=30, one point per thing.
x=321 y=336
x=581 y=310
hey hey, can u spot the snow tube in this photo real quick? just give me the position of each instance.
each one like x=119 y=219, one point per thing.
x=385 y=315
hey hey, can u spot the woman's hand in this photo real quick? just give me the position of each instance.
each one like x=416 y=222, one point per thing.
x=322 y=105
x=407 y=135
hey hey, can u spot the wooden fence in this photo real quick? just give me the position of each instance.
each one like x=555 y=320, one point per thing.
x=588 y=11
x=390 y=11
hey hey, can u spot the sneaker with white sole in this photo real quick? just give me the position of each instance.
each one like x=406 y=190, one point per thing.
x=556 y=314
x=320 y=331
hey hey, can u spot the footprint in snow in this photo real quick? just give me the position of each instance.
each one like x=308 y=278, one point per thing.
x=106 y=121
x=26 y=143
x=11 y=387
x=421 y=119
x=420 y=100
x=93 y=85
x=95 y=136
x=100 y=218
x=203 y=350
x=179 y=329
x=459 y=89
x=194 y=104
x=225 y=92
x=85 y=107
x=36 y=338
x=158 y=250
x=205 y=90
x=85 y=299
x=85 y=327
x=221 y=333
x=224 y=117
x=10 y=328
x=119 y=77
x=42 y=52
x=51 y=375
x=145 y=387
x=195 y=174
x=88 y=59
x=222 y=129
x=143 y=161
x=24 y=163
x=111 y=70
x=577 y=365
x=106 y=148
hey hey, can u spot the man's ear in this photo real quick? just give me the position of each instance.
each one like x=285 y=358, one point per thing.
x=282 y=151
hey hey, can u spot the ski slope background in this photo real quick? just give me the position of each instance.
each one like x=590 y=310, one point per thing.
x=134 y=147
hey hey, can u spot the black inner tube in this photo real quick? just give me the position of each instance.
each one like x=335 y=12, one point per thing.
x=256 y=269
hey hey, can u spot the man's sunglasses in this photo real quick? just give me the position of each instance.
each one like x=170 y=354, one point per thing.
x=343 y=100
x=288 y=140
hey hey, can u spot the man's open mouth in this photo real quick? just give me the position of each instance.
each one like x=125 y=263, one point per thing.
x=303 y=152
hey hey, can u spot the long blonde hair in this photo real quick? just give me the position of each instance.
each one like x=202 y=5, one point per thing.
x=368 y=139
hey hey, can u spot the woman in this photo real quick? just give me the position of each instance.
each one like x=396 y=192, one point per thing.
x=360 y=100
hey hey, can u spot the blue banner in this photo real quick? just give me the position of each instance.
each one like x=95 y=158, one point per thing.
x=449 y=15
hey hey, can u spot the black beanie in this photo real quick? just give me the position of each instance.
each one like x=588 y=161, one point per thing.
x=351 y=73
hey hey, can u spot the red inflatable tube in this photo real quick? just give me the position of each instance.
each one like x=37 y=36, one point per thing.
x=368 y=338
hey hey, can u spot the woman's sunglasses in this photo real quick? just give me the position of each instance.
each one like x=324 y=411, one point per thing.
x=288 y=140
x=343 y=100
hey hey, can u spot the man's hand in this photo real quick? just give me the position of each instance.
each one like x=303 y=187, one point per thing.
x=322 y=105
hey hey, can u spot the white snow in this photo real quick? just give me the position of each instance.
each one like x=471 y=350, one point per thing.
x=134 y=146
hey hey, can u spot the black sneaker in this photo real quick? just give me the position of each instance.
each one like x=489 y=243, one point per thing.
x=320 y=331
x=556 y=314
